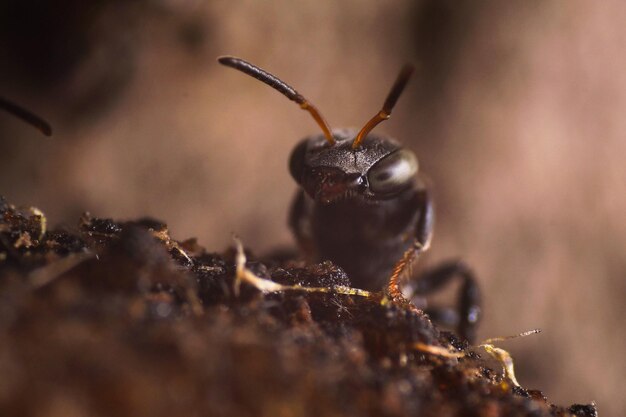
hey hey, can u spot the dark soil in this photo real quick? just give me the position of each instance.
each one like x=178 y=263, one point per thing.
x=117 y=319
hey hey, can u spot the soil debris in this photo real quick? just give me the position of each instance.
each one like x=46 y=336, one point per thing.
x=120 y=319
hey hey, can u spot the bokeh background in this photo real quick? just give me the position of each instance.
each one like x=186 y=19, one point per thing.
x=516 y=113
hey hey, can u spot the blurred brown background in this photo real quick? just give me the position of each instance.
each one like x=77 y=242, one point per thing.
x=516 y=113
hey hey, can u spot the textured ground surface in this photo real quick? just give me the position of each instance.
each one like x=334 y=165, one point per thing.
x=119 y=319
x=516 y=114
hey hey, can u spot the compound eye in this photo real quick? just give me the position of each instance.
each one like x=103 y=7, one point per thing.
x=393 y=173
x=296 y=161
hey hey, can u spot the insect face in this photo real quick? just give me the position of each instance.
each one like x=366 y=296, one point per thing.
x=379 y=169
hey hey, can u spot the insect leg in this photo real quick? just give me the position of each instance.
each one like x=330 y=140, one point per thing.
x=469 y=300
x=422 y=236
x=468 y=305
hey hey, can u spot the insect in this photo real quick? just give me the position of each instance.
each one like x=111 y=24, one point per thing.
x=363 y=206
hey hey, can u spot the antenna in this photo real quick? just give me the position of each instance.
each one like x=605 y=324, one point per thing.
x=390 y=102
x=26 y=115
x=280 y=86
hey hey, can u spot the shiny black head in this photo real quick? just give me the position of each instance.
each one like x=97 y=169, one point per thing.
x=378 y=169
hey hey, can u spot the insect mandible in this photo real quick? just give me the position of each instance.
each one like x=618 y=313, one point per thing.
x=363 y=206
